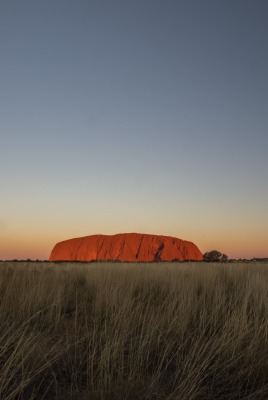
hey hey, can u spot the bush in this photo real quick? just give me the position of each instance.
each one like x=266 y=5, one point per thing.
x=215 y=256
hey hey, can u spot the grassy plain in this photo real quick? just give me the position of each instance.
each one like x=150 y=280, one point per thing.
x=103 y=331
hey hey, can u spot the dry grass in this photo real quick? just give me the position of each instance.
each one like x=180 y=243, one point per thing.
x=124 y=331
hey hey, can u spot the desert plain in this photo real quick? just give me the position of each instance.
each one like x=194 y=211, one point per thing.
x=108 y=331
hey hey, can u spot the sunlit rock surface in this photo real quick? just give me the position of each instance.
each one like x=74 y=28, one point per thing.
x=133 y=247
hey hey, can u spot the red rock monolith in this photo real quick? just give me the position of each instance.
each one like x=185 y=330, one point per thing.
x=134 y=247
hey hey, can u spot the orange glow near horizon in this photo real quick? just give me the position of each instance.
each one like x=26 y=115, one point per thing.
x=25 y=247
x=39 y=247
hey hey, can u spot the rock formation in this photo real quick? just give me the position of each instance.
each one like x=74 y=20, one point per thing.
x=133 y=247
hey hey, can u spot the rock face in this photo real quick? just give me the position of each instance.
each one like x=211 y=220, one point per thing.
x=133 y=247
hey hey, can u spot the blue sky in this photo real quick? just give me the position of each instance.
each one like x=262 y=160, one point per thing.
x=134 y=116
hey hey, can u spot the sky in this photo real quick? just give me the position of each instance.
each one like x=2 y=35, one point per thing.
x=146 y=116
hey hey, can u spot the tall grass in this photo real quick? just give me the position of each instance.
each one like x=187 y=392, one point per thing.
x=124 y=331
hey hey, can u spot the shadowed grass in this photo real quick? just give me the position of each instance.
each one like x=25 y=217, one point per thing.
x=133 y=331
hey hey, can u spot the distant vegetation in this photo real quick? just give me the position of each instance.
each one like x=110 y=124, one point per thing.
x=215 y=256
x=125 y=331
x=208 y=257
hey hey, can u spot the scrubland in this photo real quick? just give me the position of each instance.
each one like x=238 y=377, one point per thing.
x=185 y=331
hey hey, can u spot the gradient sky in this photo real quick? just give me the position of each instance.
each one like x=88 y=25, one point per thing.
x=134 y=116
